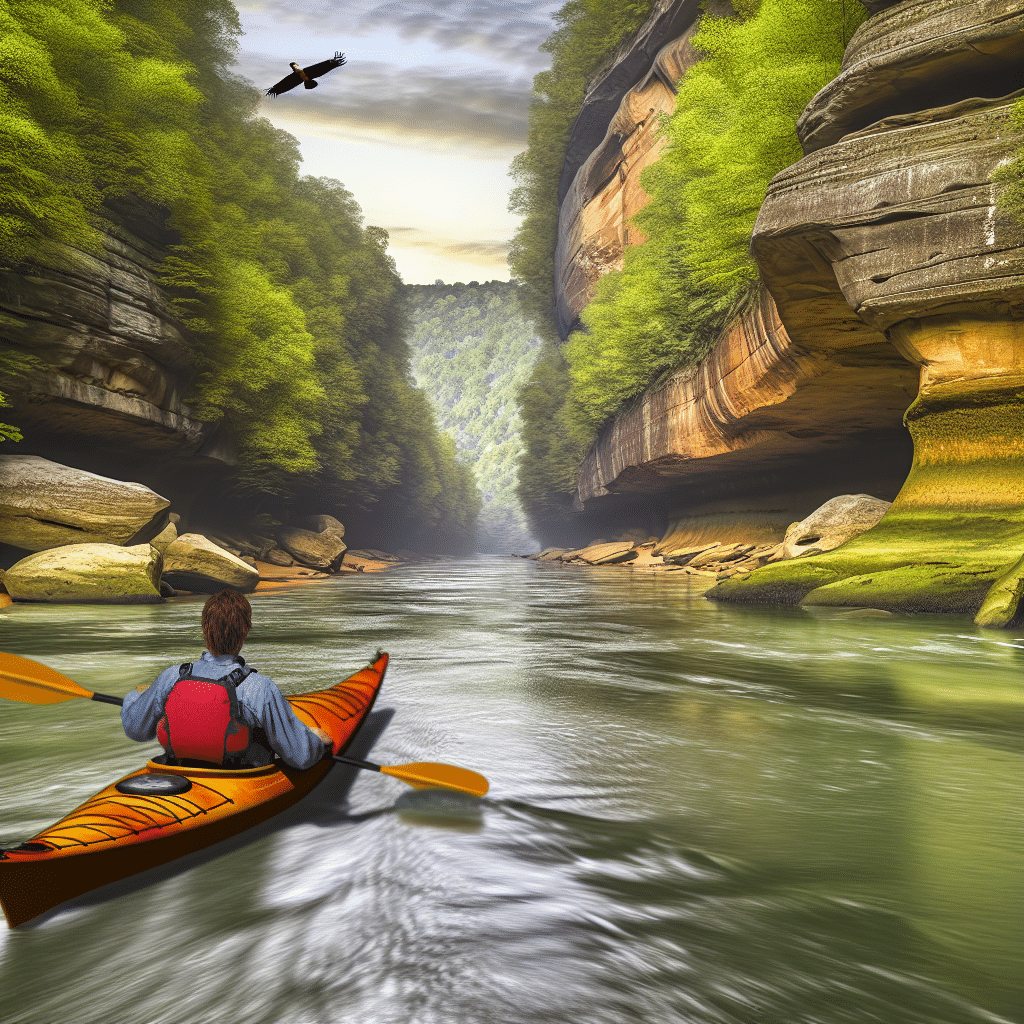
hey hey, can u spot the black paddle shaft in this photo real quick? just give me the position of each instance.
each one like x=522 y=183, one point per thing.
x=105 y=698
x=356 y=762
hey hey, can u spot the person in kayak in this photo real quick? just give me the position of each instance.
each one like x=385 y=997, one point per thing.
x=219 y=710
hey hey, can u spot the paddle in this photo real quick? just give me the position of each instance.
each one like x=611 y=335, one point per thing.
x=31 y=682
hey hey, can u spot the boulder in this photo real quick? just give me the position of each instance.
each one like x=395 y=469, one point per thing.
x=195 y=563
x=606 y=554
x=321 y=546
x=278 y=556
x=165 y=538
x=834 y=523
x=1002 y=605
x=46 y=505
x=105 y=573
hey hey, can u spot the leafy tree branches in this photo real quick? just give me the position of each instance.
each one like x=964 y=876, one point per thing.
x=472 y=352
x=291 y=305
x=732 y=130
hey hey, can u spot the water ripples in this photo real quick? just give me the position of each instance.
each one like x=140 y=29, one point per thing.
x=699 y=814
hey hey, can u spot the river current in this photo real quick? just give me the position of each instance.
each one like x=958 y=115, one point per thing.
x=699 y=813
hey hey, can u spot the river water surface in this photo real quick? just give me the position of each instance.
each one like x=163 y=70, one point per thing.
x=698 y=813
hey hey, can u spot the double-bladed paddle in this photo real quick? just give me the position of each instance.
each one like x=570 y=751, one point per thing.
x=31 y=682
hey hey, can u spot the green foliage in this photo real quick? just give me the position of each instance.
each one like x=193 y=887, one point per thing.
x=1011 y=175
x=472 y=352
x=552 y=446
x=732 y=131
x=292 y=306
x=588 y=33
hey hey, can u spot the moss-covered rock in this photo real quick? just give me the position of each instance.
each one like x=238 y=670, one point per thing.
x=1002 y=604
x=780 y=583
x=911 y=588
x=88 y=573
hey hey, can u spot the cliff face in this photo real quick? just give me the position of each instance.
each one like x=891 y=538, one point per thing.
x=893 y=286
x=115 y=362
x=613 y=139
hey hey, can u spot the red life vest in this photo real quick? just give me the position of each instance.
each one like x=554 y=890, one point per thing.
x=201 y=719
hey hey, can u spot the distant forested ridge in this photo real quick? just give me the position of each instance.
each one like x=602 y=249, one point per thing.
x=473 y=350
x=733 y=129
x=292 y=307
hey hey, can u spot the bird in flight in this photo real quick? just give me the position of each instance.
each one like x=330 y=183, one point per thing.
x=307 y=76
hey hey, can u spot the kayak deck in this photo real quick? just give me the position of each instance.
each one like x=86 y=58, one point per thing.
x=114 y=834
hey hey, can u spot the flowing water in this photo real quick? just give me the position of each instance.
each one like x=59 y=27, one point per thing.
x=698 y=813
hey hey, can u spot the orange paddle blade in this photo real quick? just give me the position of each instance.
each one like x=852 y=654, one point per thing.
x=429 y=775
x=34 y=683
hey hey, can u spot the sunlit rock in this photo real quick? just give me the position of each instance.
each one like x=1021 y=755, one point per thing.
x=103 y=573
x=45 y=505
x=834 y=523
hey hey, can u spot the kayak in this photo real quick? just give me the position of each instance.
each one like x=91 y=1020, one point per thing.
x=161 y=812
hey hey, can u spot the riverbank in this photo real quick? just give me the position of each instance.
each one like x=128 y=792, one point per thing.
x=274 y=578
x=823 y=560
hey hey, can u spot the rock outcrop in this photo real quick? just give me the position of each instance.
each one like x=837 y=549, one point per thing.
x=759 y=434
x=46 y=505
x=88 y=573
x=613 y=139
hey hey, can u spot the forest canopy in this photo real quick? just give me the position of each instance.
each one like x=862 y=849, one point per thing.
x=292 y=307
x=732 y=130
x=473 y=351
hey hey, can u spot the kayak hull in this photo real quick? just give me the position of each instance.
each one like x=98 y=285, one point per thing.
x=115 y=835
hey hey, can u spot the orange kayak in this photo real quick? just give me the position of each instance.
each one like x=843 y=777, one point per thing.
x=116 y=834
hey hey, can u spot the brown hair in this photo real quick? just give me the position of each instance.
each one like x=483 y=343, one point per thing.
x=227 y=619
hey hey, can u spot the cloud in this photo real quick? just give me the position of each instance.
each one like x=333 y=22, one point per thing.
x=507 y=31
x=426 y=105
x=486 y=253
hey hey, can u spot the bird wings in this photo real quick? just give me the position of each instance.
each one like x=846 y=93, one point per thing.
x=313 y=71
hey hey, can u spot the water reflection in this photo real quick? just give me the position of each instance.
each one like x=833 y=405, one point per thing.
x=698 y=813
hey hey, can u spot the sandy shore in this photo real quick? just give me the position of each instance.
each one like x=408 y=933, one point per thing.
x=281 y=577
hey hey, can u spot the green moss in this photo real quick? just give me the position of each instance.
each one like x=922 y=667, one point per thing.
x=931 y=587
x=916 y=561
x=780 y=583
x=1002 y=603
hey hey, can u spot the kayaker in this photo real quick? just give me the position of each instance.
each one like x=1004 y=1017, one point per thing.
x=239 y=718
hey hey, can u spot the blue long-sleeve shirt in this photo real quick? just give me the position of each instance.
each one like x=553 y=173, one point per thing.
x=260 y=703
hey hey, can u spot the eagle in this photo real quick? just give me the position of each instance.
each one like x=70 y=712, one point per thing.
x=306 y=75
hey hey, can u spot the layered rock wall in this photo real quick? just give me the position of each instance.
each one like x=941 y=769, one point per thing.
x=890 y=228
x=894 y=294
x=760 y=415
x=115 y=363
x=613 y=139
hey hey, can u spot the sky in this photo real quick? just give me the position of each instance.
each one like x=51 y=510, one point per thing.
x=421 y=123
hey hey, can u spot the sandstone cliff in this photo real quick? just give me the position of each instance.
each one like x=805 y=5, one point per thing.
x=115 y=361
x=893 y=288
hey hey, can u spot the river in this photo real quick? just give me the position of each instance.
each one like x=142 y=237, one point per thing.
x=699 y=813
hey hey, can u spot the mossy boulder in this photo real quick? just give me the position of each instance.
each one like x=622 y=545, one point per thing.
x=88 y=573
x=950 y=589
x=1002 y=604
